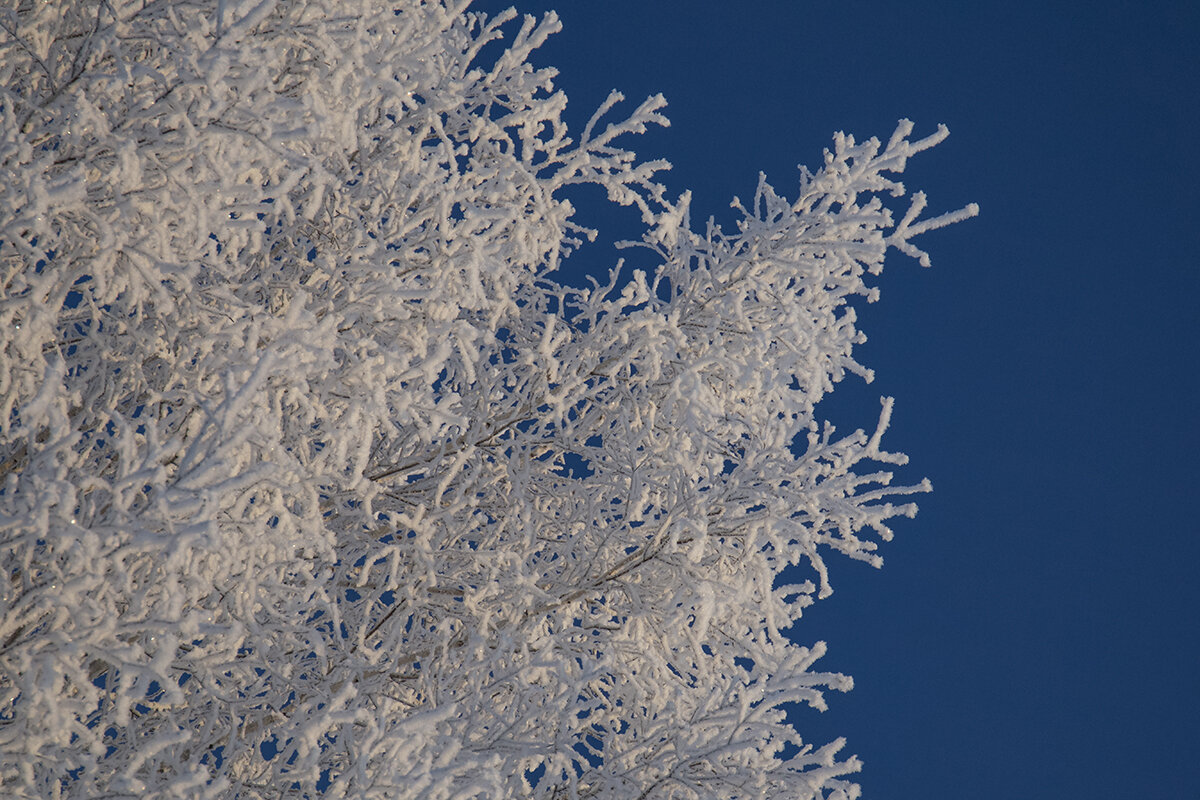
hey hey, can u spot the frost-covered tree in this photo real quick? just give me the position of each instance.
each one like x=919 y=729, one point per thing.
x=314 y=481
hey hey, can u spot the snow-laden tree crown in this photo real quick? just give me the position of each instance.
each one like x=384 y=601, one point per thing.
x=289 y=394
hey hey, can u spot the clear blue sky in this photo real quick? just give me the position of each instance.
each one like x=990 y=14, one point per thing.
x=1034 y=631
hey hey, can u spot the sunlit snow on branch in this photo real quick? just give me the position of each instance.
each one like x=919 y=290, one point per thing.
x=314 y=481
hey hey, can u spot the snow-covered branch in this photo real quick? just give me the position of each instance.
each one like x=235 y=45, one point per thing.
x=315 y=481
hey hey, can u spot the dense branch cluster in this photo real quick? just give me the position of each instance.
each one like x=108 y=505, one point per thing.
x=315 y=482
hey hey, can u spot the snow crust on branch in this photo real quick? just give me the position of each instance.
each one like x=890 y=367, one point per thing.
x=314 y=481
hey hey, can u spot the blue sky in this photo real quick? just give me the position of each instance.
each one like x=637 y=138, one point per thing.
x=1034 y=631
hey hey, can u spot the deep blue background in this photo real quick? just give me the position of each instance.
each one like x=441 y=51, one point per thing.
x=1034 y=632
